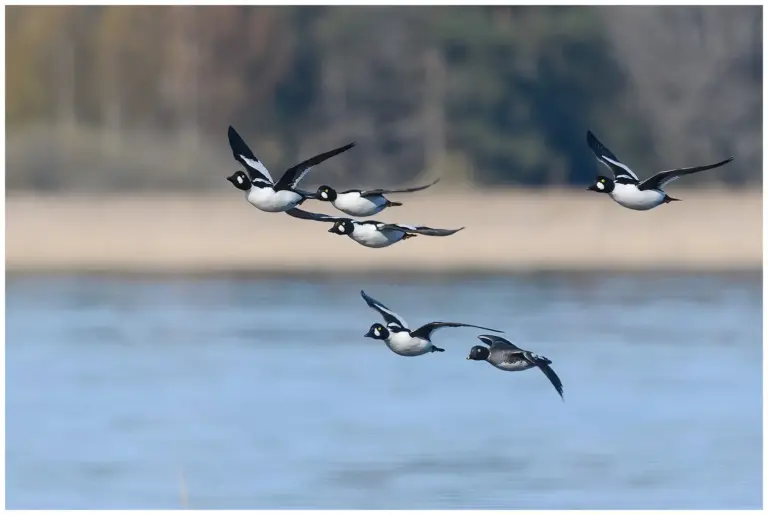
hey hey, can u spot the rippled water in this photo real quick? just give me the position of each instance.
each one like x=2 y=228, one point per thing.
x=225 y=393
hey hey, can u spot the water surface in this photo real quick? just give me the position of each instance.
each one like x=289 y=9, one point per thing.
x=262 y=393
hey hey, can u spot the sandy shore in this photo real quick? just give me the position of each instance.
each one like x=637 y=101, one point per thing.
x=506 y=231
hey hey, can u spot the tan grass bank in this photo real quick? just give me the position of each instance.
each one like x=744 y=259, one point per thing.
x=505 y=231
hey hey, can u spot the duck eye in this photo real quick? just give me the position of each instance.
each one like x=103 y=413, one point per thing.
x=602 y=180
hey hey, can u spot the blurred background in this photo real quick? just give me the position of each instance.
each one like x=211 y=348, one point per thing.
x=140 y=97
x=170 y=346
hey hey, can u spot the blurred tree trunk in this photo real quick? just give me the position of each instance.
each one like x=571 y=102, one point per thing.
x=110 y=62
x=434 y=110
x=181 y=82
x=64 y=80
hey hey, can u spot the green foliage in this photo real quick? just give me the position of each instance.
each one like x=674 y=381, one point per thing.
x=498 y=95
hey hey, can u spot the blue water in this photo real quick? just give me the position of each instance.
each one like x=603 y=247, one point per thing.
x=262 y=393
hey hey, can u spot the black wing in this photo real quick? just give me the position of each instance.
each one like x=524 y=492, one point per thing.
x=390 y=317
x=365 y=193
x=556 y=382
x=426 y=330
x=494 y=341
x=253 y=167
x=661 y=179
x=605 y=156
x=318 y=217
x=419 y=229
x=293 y=175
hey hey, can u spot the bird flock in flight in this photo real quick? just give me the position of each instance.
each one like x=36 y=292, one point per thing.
x=261 y=190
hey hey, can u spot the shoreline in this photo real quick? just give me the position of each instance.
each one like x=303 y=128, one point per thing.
x=507 y=232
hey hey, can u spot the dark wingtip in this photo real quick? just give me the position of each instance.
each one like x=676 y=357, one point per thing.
x=235 y=140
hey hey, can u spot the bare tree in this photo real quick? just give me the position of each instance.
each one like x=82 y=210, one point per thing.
x=696 y=73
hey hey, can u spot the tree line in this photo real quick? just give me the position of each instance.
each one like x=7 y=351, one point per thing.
x=140 y=97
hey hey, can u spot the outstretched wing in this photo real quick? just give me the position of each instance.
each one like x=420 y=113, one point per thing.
x=494 y=341
x=661 y=179
x=419 y=229
x=621 y=172
x=390 y=317
x=426 y=330
x=556 y=382
x=293 y=175
x=318 y=217
x=364 y=193
x=255 y=169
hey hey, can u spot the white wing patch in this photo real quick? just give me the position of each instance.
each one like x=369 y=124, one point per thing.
x=257 y=165
x=622 y=166
x=668 y=180
x=393 y=314
x=300 y=176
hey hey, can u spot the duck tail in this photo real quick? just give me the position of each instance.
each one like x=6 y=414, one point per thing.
x=668 y=199
x=393 y=204
x=409 y=235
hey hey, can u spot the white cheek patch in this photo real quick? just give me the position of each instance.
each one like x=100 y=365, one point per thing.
x=324 y=195
x=376 y=332
x=240 y=179
x=342 y=228
x=600 y=186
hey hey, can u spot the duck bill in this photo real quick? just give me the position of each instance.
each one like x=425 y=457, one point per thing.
x=592 y=188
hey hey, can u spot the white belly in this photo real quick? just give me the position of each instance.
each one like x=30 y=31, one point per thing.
x=355 y=205
x=630 y=197
x=272 y=201
x=369 y=236
x=401 y=343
